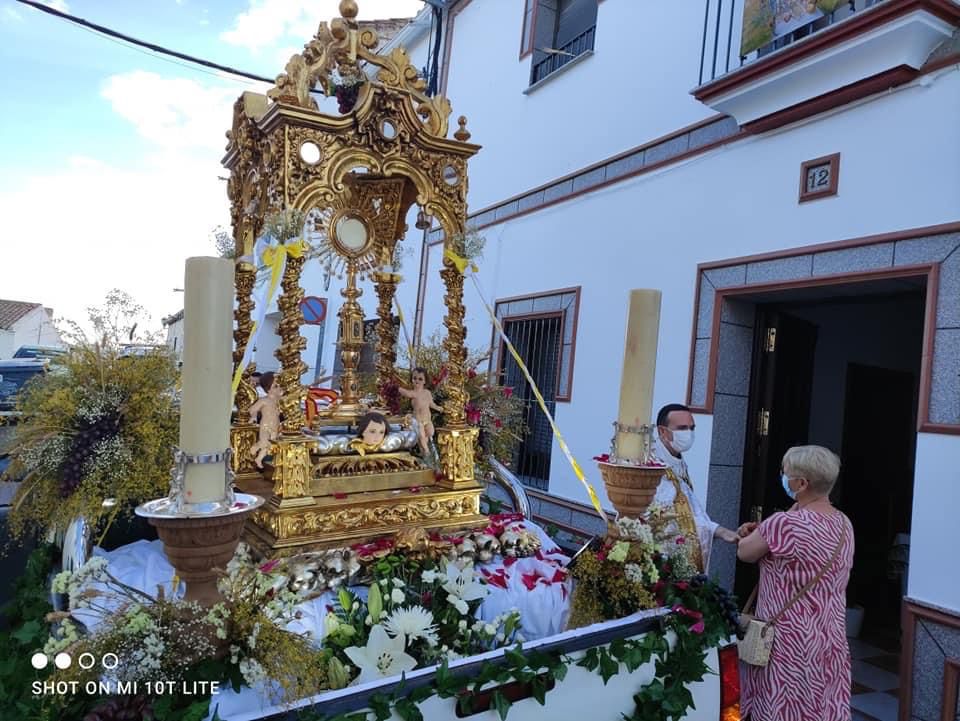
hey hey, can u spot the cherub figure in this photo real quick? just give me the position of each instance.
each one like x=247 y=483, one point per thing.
x=371 y=430
x=268 y=408
x=422 y=400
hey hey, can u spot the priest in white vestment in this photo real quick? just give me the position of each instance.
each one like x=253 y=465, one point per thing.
x=675 y=429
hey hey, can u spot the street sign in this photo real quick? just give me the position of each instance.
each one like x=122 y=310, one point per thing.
x=314 y=310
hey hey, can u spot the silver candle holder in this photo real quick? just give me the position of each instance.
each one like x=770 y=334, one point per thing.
x=176 y=505
x=648 y=453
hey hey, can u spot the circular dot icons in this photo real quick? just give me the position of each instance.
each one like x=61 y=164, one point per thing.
x=62 y=661
x=39 y=661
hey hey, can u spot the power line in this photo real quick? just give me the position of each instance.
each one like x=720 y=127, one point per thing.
x=142 y=43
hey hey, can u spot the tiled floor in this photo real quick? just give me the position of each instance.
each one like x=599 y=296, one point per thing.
x=875 y=685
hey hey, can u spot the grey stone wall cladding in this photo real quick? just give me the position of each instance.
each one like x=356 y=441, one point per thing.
x=943 y=249
x=632 y=163
x=933 y=644
x=734 y=353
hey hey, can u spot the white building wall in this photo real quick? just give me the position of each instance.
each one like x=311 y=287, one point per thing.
x=653 y=230
x=7 y=348
x=35 y=328
x=631 y=90
x=934 y=533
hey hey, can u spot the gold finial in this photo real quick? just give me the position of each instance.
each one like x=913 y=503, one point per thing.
x=463 y=135
x=348 y=9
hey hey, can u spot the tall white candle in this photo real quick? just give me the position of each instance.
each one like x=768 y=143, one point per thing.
x=207 y=365
x=639 y=365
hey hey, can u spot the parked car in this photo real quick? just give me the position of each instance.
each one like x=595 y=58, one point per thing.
x=13 y=374
x=38 y=351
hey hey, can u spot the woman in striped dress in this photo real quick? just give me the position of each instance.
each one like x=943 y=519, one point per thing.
x=808 y=675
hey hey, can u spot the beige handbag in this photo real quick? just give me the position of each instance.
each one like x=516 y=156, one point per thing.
x=757 y=641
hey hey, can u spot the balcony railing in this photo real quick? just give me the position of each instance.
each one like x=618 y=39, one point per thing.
x=721 y=48
x=554 y=61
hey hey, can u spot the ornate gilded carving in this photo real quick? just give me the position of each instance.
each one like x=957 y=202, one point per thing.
x=242 y=439
x=292 y=344
x=388 y=152
x=244 y=277
x=291 y=469
x=378 y=517
x=341 y=466
x=454 y=344
x=386 y=288
x=456 y=455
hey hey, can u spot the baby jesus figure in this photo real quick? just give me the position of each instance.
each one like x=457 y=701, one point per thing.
x=422 y=400
x=372 y=428
x=268 y=408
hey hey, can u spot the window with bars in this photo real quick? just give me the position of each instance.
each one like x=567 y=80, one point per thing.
x=556 y=32
x=543 y=330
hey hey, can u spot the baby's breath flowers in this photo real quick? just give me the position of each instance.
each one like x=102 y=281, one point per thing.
x=97 y=425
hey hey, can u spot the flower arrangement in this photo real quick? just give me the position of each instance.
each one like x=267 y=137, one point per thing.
x=414 y=615
x=97 y=425
x=162 y=642
x=344 y=84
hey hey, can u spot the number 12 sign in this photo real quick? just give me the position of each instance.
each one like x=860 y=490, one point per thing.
x=819 y=177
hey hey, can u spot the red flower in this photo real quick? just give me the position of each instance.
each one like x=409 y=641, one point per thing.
x=681 y=585
x=602 y=555
x=504 y=518
x=507 y=392
x=698 y=627
x=497 y=423
x=269 y=565
x=681 y=540
x=426 y=598
x=603 y=457
x=471 y=373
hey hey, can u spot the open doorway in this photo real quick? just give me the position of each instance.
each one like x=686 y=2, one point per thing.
x=840 y=366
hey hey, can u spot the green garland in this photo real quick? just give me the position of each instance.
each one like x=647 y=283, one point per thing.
x=666 y=698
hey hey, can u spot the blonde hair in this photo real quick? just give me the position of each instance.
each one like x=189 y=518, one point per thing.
x=819 y=465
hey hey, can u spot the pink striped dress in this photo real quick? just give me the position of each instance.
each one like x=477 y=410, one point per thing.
x=808 y=677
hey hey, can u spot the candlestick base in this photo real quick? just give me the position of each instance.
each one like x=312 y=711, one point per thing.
x=197 y=544
x=631 y=488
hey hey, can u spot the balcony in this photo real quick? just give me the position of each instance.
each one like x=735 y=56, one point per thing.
x=546 y=63
x=770 y=68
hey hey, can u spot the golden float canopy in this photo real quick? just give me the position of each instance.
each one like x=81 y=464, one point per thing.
x=355 y=176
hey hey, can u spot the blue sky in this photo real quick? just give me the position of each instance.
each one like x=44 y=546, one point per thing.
x=110 y=155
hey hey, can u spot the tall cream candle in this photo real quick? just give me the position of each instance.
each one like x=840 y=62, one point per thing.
x=207 y=365
x=639 y=365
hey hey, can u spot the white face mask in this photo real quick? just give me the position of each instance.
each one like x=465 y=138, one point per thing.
x=682 y=441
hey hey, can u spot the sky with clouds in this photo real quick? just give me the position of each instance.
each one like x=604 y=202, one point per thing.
x=110 y=174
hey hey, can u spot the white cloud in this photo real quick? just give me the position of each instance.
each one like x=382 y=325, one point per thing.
x=90 y=226
x=173 y=113
x=268 y=22
x=10 y=15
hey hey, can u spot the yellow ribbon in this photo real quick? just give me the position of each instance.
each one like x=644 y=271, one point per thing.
x=578 y=472
x=274 y=258
x=459 y=261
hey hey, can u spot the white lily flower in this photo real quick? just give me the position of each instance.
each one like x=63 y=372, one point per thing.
x=382 y=656
x=461 y=587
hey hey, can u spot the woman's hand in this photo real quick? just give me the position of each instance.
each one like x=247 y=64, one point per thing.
x=746 y=529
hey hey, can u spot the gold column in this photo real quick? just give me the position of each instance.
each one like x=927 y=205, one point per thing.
x=350 y=339
x=245 y=276
x=456 y=439
x=291 y=345
x=386 y=288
